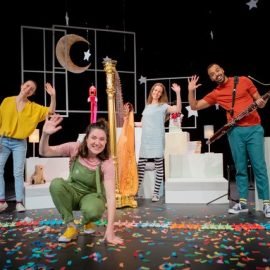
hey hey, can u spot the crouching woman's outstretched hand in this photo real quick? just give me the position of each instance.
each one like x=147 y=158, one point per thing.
x=111 y=238
x=50 y=127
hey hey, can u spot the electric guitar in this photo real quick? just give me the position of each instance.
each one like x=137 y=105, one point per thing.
x=223 y=130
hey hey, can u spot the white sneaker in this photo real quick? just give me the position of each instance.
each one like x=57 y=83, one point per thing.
x=266 y=210
x=3 y=206
x=155 y=198
x=238 y=208
x=20 y=207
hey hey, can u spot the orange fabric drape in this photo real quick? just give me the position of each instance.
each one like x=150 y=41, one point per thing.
x=127 y=166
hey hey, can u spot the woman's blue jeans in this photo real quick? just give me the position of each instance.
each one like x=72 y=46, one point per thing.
x=18 y=148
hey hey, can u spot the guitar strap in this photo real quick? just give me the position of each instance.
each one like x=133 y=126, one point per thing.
x=235 y=82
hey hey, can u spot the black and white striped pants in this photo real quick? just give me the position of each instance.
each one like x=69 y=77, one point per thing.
x=159 y=172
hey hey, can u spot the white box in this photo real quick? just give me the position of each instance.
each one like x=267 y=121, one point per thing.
x=206 y=165
x=259 y=203
x=53 y=167
x=38 y=196
x=175 y=143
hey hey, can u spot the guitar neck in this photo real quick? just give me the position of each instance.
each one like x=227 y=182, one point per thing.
x=219 y=133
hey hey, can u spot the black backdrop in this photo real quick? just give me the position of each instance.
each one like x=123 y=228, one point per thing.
x=173 y=39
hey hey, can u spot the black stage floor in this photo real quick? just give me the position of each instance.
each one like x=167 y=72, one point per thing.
x=203 y=237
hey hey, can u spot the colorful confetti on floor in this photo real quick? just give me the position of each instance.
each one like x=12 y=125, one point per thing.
x=157 y=236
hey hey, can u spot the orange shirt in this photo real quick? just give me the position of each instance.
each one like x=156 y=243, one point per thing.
x=222 y=95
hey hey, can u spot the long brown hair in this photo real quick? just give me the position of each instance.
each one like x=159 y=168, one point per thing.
x=163 y=98
x=83 y=150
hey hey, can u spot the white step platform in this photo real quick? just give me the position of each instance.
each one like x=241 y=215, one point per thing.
x=196 y=178
x=38 y=196
x=195 y=190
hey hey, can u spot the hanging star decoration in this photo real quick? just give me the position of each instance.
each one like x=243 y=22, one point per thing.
x=67 y=19
x=87 y=55
x=252 y=4
x=142 y=80
x=212 y=35
x=191 y=112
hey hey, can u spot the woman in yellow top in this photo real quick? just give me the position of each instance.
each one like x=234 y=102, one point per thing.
x=18 y=119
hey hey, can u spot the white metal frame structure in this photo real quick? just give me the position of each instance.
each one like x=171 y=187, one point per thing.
x=38 y=59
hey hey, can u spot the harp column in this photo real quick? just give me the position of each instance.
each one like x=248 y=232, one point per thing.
x=109 y=67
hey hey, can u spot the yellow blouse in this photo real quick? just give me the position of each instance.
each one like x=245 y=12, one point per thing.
x=19 y=125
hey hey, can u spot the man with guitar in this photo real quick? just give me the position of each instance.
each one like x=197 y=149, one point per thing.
x=246 y=136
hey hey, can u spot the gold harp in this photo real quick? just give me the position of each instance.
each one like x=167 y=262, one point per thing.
x=123 y=151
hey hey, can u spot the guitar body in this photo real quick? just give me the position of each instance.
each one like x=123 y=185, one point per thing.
x=252 y=107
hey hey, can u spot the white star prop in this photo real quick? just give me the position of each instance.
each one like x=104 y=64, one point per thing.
x=252 y=4
x=191 y=112
x=87 y=55
x=142 y=80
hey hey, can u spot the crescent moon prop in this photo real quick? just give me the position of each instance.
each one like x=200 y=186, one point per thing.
x=63 y=52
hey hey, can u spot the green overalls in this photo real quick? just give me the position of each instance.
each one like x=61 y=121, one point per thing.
x=82 y=191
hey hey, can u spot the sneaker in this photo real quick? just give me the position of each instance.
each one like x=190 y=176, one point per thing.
x=71 y=233
x=3 y=206
x=155 y=198
x=20 y=207
x=238 y=208
x=89 y=228
x=266 y=210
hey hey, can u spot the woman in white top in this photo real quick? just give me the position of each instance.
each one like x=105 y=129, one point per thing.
x=153 y=131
